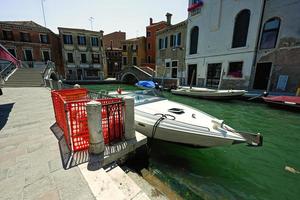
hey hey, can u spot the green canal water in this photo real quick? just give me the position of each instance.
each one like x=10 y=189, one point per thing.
x=233 y=172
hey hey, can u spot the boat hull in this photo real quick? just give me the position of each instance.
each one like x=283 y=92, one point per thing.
x=284 y=102
x=177 y=131
x=219 y=95
x=182 y=137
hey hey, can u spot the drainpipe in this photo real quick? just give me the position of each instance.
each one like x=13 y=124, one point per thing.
x=258 y=40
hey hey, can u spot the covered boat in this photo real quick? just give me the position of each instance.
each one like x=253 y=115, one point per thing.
x=145 y=85
x=208 y=93
x=159 y=118
x=291 y=102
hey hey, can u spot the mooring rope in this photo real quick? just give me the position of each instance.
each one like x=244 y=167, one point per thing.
x=163 y=117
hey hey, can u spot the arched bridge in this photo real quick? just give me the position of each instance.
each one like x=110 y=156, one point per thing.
x=134 y=74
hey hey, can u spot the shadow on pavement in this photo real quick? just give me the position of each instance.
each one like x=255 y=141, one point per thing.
x=5 y=109
x=68 y=158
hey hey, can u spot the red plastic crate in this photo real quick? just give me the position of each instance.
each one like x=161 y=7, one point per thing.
x=71 y=117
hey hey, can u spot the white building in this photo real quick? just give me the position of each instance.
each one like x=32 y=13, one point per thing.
x=221 y=42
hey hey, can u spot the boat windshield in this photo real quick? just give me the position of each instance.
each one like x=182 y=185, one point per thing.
x=145 y=96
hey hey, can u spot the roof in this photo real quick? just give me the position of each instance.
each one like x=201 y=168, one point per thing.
x=134 y=39
x=23 y=23
x=26 y=24
x=157 y=23
x=172 y=27
x=78 y=29
x=120 y=32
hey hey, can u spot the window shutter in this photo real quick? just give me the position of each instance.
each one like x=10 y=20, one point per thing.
x=179 y=39
x=166 y=42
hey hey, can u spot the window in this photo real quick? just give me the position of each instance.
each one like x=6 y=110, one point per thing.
x=25 y=37
x=174 y=63
x=68 y=39
x=44 y=38
x=7 y=35
x=194 y=40
x=134 y=47
x=270 y=34
x=149 y=46
x=148 y=34
x=166 y=42
x=172 y=37
x=178 y=39
x=46 y=55
x=28 y=55
x=95 y=58
x=81 y=40
x=124 y=60
x=241 y=27
x=83 y=58
x=174 y=69
x=13 y=52
x=149 y=59
x=175 y=40
x=160 y=44
x=95 y=41
x=124 y=47
x=134 y=61
x=174 y=72
x=101 y=42
x=235 y=69
x=167 y=64
x=70 y=57
x=92 y=73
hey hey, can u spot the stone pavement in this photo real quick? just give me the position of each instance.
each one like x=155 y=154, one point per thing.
x=30 y=163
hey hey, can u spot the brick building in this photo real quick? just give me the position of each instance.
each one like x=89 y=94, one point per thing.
x=114 y=61
x=113 y=40
x=133 y=52
x=83 y=54
x=31 y=43
x=151 y=39
x=113 y=50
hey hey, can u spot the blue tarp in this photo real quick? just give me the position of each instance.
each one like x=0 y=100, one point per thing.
x=145 y=84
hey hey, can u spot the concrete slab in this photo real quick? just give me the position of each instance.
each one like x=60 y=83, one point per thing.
x=123 y=182
x=100 y=183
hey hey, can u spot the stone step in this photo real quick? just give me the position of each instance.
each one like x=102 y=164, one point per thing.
x=147 y=188
x=22 y=85
x=126 y=184
x=25 y=77
x=100 y=183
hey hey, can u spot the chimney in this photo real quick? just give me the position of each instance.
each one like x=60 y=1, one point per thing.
x=151 y=21
x=101 y=33
x=169 y=16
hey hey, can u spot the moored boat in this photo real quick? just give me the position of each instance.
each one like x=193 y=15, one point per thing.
x=146 y=85
x=291 y=102
x=159 y=118
x=206 y=93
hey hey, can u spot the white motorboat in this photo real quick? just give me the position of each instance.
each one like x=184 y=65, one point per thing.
x=159 y=118
x=208 y=93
